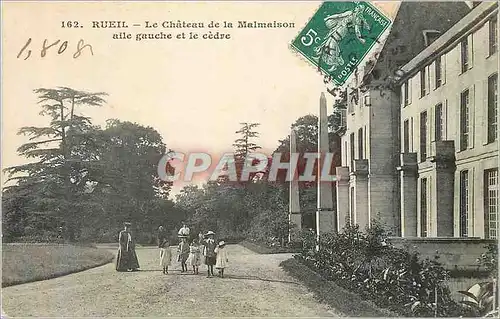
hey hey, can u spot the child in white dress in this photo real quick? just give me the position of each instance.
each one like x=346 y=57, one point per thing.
x=194 y=258
x=221 y=259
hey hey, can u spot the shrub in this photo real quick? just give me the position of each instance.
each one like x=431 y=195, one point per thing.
x=393 y=278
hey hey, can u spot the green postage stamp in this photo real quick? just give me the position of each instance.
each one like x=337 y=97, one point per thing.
x=339 y=35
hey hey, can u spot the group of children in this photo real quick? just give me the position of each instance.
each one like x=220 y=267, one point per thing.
x=191 y=254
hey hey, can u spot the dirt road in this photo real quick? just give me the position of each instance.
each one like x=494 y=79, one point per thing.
x=254 y=285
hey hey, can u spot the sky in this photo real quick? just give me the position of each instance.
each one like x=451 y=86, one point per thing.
x=193 y=92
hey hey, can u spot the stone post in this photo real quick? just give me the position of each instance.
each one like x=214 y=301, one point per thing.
x=443 y=162
x=409 y=183
x=360 y=175
x=294 y=215
x=342 y=196
x=326 y=220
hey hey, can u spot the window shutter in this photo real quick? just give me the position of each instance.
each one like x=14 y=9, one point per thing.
x=411 y=135
x=432 y=75
x=410 y=81
x=403 y=94
x=472 y=112
x=445 y=120
x=443 y=69
x=470 y=49
x=428 y=74
x=431 y=125
x=471 y=232
x=458 y=140
x=483 y=111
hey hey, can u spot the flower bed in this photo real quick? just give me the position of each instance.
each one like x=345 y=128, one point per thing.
x=392 y=278
x=260 y=248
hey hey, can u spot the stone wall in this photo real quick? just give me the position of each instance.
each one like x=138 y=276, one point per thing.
x=454 y=253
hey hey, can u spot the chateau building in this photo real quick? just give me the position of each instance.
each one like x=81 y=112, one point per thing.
x=449 y=132
x=412 y=154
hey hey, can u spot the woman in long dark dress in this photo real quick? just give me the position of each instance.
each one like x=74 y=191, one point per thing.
x=127 y=258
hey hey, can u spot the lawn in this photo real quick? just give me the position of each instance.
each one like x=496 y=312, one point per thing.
x=23 y=263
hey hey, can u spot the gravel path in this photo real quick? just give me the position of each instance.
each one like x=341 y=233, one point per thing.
x=254 y=285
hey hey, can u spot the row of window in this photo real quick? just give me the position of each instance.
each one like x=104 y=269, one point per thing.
x=361 y=144
x=466 y=55
x=490 y=183
x=465 y=139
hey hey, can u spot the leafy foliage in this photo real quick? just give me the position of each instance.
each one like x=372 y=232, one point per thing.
x=480 y=299
x=393 y=278
x=82 y=181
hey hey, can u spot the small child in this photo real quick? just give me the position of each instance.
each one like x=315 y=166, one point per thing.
x=209 y=252
x=194 y=258
x=183 y=251
x=165 y=255
x=221 y=259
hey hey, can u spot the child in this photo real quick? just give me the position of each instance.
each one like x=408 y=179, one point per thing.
x=221 y=260
x=209 y=253
x=194 y=258
x=183 y=251
x=165 y=255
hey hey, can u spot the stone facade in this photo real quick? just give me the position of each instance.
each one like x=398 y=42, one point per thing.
x=424 y=157
x=371 y=144
x=449 y=126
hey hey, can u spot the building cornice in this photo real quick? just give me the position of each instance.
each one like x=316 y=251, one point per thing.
x=449 y=39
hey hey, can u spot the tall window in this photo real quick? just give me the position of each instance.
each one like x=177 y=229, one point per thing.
x=464 y=54
x=345 y=152
x=423 y=82
x=351 y=213
x=464 y=203
x=406 y=92
x=360 y=143
x=491 y=203
x=365 y=142
x=406 y=136
x=438 y=73
x=492 y=108
x=438 y=118
x=423 y=136
x=464 y=120
x=352 y=147
x=493 y=36
x=423 y=207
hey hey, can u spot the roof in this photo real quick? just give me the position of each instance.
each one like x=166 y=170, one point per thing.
x=405 y=39
x=455 y=32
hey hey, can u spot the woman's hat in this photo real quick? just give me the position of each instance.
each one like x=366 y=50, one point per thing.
x=209 y=233
x=222 y=243
x=127 y=224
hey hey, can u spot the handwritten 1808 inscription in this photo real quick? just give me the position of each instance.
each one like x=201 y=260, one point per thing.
x=339 y=35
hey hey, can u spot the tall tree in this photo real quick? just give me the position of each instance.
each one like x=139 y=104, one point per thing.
x=54 y=182
x=244 y=145
x=128 y=184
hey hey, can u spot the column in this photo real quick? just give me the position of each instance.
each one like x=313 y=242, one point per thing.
x=409 y=182
x=326 y=219
x=342 y=196
x=443 y=161
x=294 y=215
x=360 y=177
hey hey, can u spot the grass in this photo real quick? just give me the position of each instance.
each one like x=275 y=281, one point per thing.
x=262 y=249
x=348 y=303
x=22 y=263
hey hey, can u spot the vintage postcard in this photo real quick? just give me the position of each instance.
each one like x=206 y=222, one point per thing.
x=250 y=159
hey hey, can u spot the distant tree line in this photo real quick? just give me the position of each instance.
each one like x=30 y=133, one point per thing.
x=258 y=208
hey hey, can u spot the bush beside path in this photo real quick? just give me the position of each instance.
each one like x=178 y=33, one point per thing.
x=25 y=262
